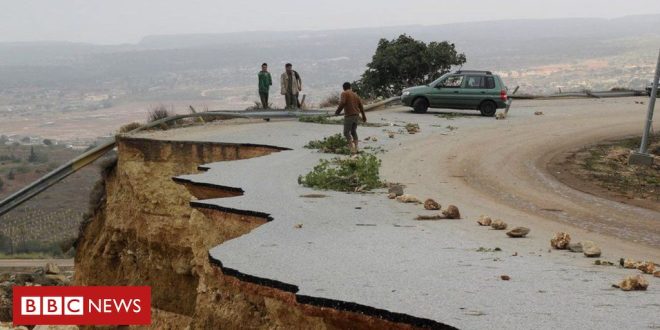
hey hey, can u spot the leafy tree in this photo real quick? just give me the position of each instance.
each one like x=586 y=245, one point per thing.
x=405 y=62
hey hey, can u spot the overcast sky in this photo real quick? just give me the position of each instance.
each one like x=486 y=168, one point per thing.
x=127 y=21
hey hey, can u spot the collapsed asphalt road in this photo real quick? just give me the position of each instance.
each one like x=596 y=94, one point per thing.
x=366 y=250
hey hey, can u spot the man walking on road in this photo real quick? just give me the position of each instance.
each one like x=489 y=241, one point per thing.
x=352 y=106
x=290 y=86
x=265 y=82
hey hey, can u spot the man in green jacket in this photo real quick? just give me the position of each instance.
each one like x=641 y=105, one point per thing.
x=265 y=82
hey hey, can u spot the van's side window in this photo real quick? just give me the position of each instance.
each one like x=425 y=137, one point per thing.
x=475 y=82
x=453 y=82
x=480 y=82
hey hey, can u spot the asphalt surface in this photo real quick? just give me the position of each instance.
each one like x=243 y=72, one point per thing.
x=367 y=249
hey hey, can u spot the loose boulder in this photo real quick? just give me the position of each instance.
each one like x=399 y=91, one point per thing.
x=391 y=195
x=575 y=247
x=395 y=189
x=452 y=212
x=484 y=220
x=518 y=232
x=406 y=198
x=628 y=263
x=657 y=273
x=498 y=225
x=430 y=204
x=51 y=268
x=634 y=282
x=646 y=267
x=590 y=249
x=560 y=241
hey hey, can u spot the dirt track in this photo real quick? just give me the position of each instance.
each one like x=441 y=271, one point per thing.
x=500 y=168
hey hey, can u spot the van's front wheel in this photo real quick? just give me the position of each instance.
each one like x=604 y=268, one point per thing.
x=488 y=108
x=420 y=105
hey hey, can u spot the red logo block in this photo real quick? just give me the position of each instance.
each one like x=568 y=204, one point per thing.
x=82 y=305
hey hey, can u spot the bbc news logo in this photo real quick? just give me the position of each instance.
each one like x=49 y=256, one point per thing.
x=82 y=305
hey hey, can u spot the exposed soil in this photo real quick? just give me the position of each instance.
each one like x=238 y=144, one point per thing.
x=602 y=169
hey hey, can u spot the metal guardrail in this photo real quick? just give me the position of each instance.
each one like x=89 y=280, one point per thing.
x=586 y=94
x=57 y=175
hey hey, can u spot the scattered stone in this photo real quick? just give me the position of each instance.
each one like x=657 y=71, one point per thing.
x=505 y=277
x=603 y=263
x=628 y=263
x=406 y=198
x=538 y=113
x=484 y=220
x=631 y=283
x=452 y=212
x=391 y=195
x=518 y=232
x=313 y=196
x=515 y=254
x=430 y=217
x=395 y=189
x=51 y=268
x=560 y=241
x=299 y=225
x=391 y=135
x=657 y=273
x=646 y=267
x=483 y=249
x=412 y=128
x=575 y=247
x=430 y=204
x=500 y=115
x=590 y=249
x=498 y=225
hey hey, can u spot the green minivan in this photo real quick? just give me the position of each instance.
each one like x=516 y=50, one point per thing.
x=478 y=90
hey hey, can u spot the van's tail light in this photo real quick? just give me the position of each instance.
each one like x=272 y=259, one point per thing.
x=503 y=95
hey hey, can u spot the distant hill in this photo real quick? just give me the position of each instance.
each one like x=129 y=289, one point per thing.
x=188 y=63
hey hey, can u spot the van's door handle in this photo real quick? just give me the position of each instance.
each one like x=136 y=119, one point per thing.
x=482 y=92
x=455 y=92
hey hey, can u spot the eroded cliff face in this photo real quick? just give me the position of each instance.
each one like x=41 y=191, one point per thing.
x=146 y=233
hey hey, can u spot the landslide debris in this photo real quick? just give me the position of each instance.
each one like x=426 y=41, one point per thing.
x=560 y=241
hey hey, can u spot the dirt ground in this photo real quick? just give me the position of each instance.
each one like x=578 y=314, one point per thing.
x=501 y=168
x=603 y=170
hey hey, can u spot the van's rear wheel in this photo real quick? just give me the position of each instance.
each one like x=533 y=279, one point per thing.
x=488 y=108
x=420 y=105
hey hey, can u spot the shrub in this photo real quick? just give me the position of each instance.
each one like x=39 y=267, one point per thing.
x=129 y=127
x=48 y=142
x=335 y=144
x=2 y=184
x=159 y=112
x=331 y=100
x=37 y=157
x=345 y=174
